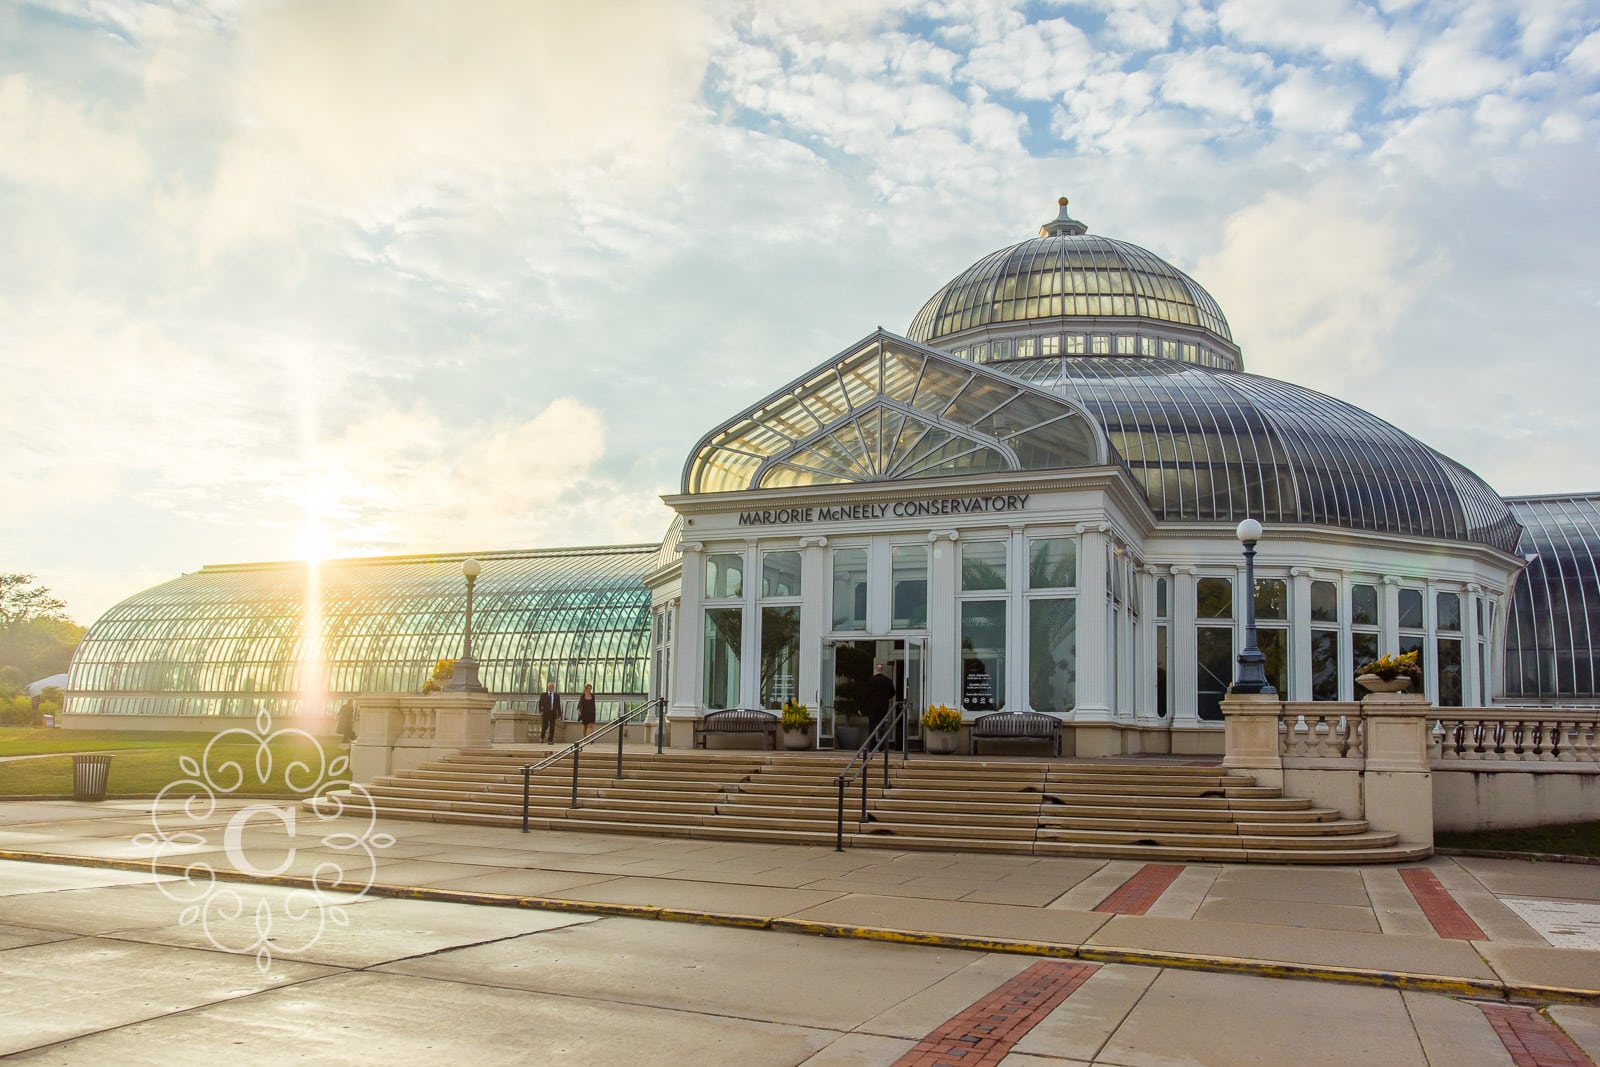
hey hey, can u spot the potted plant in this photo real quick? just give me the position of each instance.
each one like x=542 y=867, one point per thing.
x=796 y=723
x=941 y=729
x=1389 y=674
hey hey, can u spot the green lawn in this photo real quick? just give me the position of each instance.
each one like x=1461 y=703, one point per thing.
x=1567 y=839
x=148 y=762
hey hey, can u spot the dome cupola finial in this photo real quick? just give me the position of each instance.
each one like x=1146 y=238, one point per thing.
x=1062 y=223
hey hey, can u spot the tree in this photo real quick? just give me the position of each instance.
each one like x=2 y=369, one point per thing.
x=21 y=601
x=37 y=637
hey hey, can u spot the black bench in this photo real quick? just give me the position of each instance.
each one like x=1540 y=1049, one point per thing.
x=1015 y=727
x=737 y=721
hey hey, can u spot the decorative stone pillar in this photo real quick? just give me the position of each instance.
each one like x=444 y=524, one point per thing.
x=1299 y=665
x=378 y=727
x=813 y=617
x=1251 y=728
x=1397 y=784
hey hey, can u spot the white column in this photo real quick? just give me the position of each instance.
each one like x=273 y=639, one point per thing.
x=1471 y=696
x=688 y=678
x=1389 y=616
x=1181 y=672
x=814 y=619
x=944 y=621
x=1299 y=634
x=1144 y=686
x=1093 y=687
x=1017 y=621
x=750 y=632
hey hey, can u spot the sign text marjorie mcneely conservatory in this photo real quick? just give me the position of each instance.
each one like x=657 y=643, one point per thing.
x=900 y=509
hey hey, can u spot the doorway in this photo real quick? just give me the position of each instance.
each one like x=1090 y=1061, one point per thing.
x=846 y=666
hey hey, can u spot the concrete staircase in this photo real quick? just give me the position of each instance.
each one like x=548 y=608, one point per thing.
x=1151 y=811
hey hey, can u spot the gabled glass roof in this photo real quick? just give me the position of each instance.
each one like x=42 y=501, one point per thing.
x=888 y=409
x=1554 y=625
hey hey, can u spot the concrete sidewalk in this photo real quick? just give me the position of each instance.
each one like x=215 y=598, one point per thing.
x=1476 y=927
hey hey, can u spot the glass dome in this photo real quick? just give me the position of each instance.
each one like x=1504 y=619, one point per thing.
x=1066 y=292
x=1212 y=445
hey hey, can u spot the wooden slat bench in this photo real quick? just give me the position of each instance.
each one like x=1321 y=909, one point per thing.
x=737 y=721
x=1015 y=727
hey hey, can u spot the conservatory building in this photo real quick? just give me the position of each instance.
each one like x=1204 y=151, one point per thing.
x=1027 y=502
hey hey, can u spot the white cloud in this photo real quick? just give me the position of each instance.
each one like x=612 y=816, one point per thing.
x=1314 y=284
x=1340 y=31
x=1224 y=83
x=1305 y=101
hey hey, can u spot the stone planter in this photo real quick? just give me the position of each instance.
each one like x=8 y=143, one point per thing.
x=848 y=736
x=1373 y=684
x=797 y=740
x=940 y=742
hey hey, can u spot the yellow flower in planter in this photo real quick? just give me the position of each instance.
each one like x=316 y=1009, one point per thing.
x=940 y=717
x=795 y=716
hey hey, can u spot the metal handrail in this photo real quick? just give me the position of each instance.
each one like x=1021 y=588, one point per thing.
x=575 y=750
x=879 y=740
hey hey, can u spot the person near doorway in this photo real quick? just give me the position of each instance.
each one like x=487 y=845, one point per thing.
x=880 y=694
x=549 y=714
x=586 y=710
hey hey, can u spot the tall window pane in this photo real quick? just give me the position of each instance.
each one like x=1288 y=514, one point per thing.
x=983 y=655
x=1272 y=598
x=1363 y=648
x=780 y=574
x=1324 y=602
x=910 y=594
x=724 y=575
x=1449 y=673
x=1411 y=608
x=1364 y=605
x=1214 y=598
x=1053 y=563
x=1324 y=664
x=1052 y=654
x=850 y=589
x=722 y=657
x=1214 y=653
x=983 y=565
x=1274 y=644
x=780 y=655
x=1449 y=605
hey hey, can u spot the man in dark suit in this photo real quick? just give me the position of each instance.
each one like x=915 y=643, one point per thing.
x=880 y=693
x=549 y=713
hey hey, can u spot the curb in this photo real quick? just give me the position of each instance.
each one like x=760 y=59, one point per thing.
x=1526 y=857
x=1400 y=980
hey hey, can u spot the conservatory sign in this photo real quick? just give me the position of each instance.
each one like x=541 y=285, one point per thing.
x=900 y=509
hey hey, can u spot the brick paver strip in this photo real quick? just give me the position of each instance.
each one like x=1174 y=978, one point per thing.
x=984 y=1034
x=1449 y=919
x=1532 y=1039
x=1139 y=893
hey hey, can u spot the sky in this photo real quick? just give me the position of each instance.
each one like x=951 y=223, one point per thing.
x=315 y=278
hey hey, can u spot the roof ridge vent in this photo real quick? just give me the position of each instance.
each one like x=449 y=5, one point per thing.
x=1063 y=224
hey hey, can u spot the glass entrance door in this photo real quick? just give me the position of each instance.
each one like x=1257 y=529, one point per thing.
x=846 y=666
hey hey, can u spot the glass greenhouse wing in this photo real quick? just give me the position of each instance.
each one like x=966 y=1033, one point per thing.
x=1555 y=609
x=292 y=637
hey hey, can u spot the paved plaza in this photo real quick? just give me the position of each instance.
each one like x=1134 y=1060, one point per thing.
x=488 y=946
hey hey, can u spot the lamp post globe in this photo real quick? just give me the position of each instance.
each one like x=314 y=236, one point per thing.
x=1252 y=677
x=465 y=679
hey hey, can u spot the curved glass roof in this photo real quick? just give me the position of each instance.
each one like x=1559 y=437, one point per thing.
x=1218 y=445
x=228 y=640
x=1555 y=608
x=886 y=409
x=1066 y=273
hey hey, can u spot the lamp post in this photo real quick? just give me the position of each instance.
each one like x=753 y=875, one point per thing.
x=465 y=679
x=1252 y=674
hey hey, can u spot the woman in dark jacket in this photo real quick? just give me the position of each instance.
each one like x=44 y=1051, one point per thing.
x=586 y=710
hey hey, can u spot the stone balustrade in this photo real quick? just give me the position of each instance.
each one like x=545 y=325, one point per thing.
x=1515 y=735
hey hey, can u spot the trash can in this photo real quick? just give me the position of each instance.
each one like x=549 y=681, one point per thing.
x=89 y=777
